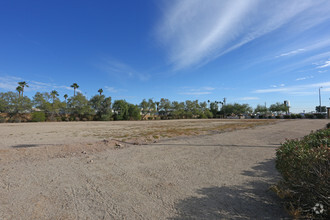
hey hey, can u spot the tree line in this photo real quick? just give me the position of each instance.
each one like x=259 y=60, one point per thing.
x=99 y=107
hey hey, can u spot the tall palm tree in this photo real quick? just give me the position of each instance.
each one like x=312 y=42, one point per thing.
x=100 y=91
x=54 y=93
x=19 y=89
x=23 y=84
x=65 y=97
x=74 y=86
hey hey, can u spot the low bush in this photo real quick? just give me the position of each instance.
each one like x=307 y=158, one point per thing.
x=293 y=116
x=2 y=119
x=305 y=167
x=320 y=116
x=38 y=116
x=286 y=116
x=310 y=116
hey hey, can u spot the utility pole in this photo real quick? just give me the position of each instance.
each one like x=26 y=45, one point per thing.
x=320 y=98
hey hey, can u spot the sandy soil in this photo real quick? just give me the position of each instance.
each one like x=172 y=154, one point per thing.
x=67 y=170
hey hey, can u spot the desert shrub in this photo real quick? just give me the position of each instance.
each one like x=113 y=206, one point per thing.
x=2 y=119
x=17 y=120
x=105 y=117
x=298 y=116
x=320 y=116
x=328 y=125
x=38 y=116
x=293 y=116
x=310 y=116
x=305 y=167
x=286 y=116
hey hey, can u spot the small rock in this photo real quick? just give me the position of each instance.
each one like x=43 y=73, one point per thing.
x=105 y=141
x=91 y=161
x=83 y=152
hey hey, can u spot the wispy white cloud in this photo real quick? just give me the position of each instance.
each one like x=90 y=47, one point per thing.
x=115 y=67
x=248 y=98
x=292 y=52
x=326 y=64
x=276 y=86
x=306 y=89
x=304 y=78
x=197 y=91
x=9 y=82
x=197 y=31
x=111 y=89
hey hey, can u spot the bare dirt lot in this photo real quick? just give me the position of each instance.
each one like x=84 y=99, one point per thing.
x=187 y=169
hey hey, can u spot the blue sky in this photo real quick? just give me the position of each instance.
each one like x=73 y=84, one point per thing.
x=249 y=51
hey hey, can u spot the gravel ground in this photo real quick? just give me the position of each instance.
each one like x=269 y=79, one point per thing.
x=209 y=176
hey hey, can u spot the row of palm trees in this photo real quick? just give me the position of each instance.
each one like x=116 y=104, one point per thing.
x=54 y=93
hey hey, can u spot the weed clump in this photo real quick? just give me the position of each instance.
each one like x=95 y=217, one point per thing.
x=305 y=167
x=38 y=116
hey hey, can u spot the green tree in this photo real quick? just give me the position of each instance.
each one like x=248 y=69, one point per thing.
x=19 y=89
x=53 y=94
x=10 y=102
x=261 y=109
x=102 y=107
x=79 y=105
x=236 y=109
x=164 y=107
x=323 y=109
x=23 y=85
x=100 y=91
x=74 y=86
x=65 y=97
x=214 y=108
x=278 y=108
x=56 y=101
x=147 y=107
x=178 y=109
x=120 y=108
x=42 y=101
x=134 y=112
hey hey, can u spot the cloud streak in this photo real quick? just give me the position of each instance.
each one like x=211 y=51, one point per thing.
x=306 y=89
x=326 y=64
x=195 y=32
x=197 y=91
x=292 y=52
x=115 y=67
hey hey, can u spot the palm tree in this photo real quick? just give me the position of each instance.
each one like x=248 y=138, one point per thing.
x=100 y=91
x=74 y=86
x=65 y=96
x=23 y=84
x=54 y=93
x=19 y=89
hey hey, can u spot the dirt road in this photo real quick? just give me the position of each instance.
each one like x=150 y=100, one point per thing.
x=225 y=175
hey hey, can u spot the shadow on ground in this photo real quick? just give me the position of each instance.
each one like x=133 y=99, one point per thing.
x=25 y=145
x=252 y=200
